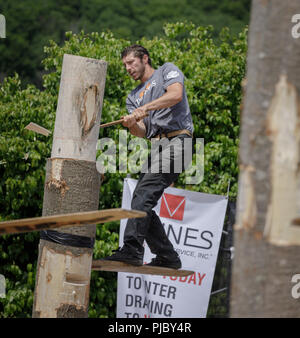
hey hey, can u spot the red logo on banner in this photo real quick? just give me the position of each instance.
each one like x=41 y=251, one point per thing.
x=172 y=206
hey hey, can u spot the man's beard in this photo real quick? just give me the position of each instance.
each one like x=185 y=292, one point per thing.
x=142 y=72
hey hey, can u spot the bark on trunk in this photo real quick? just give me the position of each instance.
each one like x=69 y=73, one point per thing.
x=72 y=185
x=267 y=246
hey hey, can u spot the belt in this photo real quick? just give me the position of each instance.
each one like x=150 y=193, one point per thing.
x=173 y=133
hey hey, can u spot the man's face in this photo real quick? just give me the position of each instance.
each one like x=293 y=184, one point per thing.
x=135 y=67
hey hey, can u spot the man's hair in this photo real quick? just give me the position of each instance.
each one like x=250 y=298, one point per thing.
x=138 y=51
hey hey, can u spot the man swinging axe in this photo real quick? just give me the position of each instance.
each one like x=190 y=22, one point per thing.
x=158 y=108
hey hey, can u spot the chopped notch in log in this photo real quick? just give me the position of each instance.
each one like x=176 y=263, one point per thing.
x=59 y=185
x=56 y=181
x=89 y=109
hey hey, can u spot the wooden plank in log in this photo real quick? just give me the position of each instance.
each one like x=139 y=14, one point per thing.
x=38 y=129
x=114 y=266
x=67 y=220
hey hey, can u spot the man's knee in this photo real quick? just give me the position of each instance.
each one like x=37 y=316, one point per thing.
x=142 y=204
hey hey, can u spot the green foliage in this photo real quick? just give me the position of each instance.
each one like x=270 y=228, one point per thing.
x=213 y=81
x=32 y=23
x=22 y=160
x=23 y=154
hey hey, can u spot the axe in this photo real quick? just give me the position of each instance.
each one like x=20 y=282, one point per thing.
x=41 y=130
x=120 y=121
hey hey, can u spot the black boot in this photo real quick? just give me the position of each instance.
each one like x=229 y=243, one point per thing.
x=173 y=263
x=126 y=256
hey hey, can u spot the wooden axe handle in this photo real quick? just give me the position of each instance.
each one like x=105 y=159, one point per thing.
x=110 y=123
x=118 y=121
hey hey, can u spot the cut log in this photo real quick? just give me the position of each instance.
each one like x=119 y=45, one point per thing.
x=114 y=266
x=67 y=220
x=72 y=184
x=267 y=245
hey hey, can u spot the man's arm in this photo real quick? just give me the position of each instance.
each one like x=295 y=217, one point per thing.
x=172 y=96
x=138 y=129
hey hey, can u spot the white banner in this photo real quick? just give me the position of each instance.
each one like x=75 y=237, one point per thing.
x=193 y=222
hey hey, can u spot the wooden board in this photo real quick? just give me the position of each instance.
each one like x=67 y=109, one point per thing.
x=67 y=220
x=38 y=129
x=113 y=266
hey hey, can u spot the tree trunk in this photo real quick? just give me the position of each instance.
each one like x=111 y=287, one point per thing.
x=267 y=244
x=72 y=185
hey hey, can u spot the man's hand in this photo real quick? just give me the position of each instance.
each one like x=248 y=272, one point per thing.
x=137 y=115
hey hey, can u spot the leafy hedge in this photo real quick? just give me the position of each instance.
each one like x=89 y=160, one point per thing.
x=213 y=74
